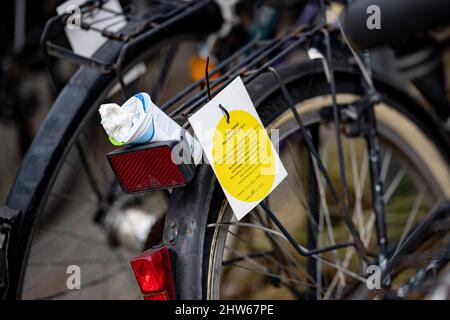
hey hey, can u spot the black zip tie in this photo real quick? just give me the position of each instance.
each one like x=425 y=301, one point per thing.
x=227 y=114
x=207 y=79
x=208 y=89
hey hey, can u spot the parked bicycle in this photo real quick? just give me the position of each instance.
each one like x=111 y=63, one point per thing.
x=368 y=167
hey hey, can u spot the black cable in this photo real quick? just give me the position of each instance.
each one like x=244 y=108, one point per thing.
x=305 y=135
x=309 y=144
x=293 y=242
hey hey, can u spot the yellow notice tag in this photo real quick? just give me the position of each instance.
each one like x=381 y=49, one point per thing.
x=238 y=148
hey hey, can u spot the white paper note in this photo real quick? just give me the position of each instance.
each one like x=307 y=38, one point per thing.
x=239 y=151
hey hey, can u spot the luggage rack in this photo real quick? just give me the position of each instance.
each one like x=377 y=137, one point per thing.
x=138 y=29
x=249 y=61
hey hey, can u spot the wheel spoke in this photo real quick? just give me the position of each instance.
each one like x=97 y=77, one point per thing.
x=324 y=205
x=73 y=235
x=273 y=275
x=78 y=262
x=89 y=172
x=89 y=284
x=394 y=184
x=285 y=268
x=249 y=225
x=411 y=218
x=300 y=185
x=73 y=198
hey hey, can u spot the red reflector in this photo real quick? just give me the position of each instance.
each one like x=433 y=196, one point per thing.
x=148 y=167
x=153 y=273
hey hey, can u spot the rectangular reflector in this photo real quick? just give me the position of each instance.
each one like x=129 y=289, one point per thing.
x=149 y=167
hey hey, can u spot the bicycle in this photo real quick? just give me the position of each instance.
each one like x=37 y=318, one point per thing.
x=153 y=30
x=309 y=109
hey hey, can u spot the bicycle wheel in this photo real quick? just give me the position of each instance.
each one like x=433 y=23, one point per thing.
x=65 y=190
x=251 y=260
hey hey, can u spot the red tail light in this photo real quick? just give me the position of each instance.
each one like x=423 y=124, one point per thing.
x=158 y=296
x=154 y=274
x=149 y=167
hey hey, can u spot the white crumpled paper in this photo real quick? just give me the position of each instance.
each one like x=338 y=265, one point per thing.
x=120 y=122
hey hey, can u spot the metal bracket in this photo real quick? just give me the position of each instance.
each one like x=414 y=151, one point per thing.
x=354 y=115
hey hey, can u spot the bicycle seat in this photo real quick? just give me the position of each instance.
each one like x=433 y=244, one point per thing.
x=398 y=20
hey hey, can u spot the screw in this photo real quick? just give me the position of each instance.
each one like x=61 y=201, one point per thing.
x=172 y=231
